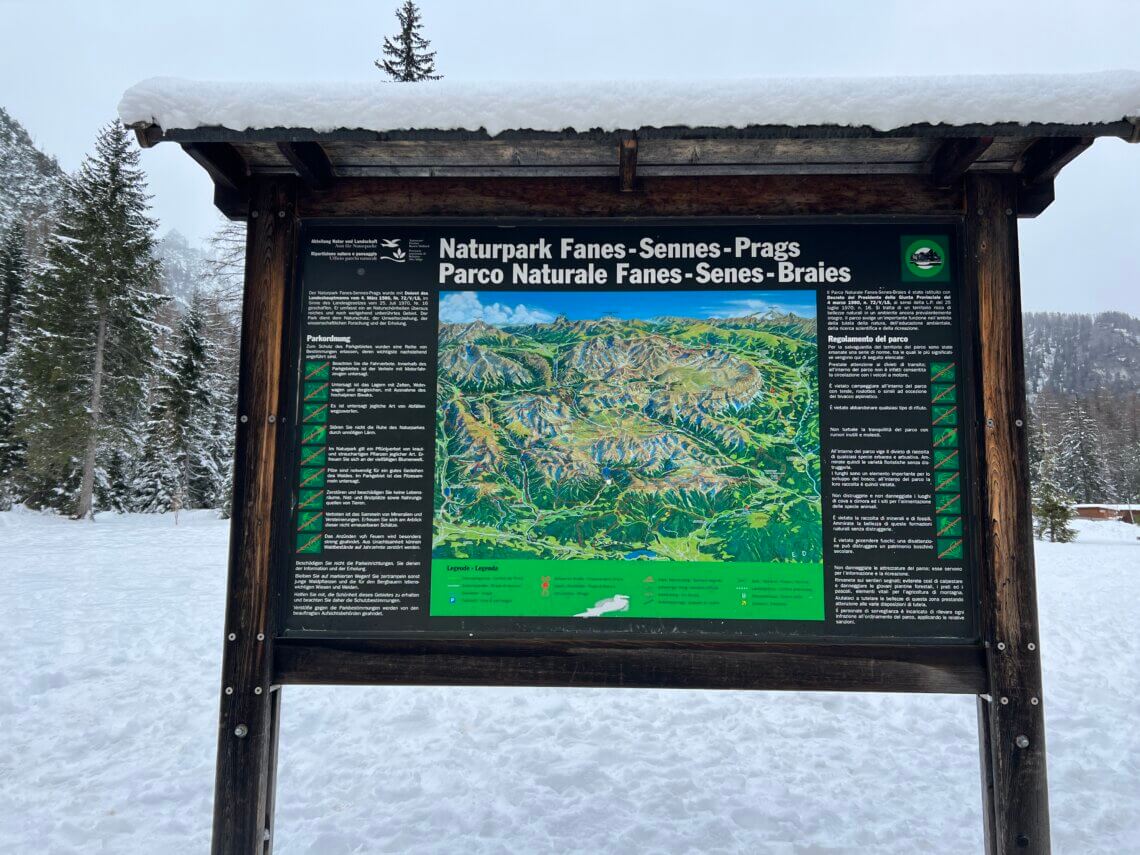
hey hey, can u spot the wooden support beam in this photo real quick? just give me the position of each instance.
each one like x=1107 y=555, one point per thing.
x=1043 y=159
x=640 y=664
x=746 y=195
x=1035 y=198
x=247 y=723
x=954 y=156
x=148 y=135
x=310 y=161
x=627 y=163
x=1011 y=710
x=224 y=163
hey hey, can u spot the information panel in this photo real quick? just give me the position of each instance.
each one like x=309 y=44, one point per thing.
x=714 y=428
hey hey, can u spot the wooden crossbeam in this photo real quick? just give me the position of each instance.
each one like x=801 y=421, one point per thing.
x=222 y=161
x=310 y=161
x=954 y=156
x=1043 y=159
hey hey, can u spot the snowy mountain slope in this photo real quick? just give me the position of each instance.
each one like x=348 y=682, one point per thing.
x=1076 y=354
x=29 y=179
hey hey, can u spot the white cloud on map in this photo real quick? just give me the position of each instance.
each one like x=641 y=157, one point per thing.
x=463 y=307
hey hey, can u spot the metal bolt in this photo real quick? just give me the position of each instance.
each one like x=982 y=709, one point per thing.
x=261 y=636
x=232 y=636
x=240 y=731
x=1018 y=422
x=272 y=418
x=1031 y=646
x=255 y=214
x=281 y=214
x=244 y=419
x=257 y=690
x=1008 y=212
x=1022 y=740
x=1034 y=701
x=229 y=690
x=1001 y=645
x=1004 y=701
x=989 y=423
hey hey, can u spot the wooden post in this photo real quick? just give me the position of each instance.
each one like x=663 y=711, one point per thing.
x=1011 y=721
x=247 y=733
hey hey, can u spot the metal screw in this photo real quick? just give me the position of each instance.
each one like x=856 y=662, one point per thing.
x=244 y=419
x=1022 y=740
x=1004 y=701
x=232 y=636
x=261 y=636
x=1001 y=645
x=989 y=423
x=281 y=214
x=255 y=214
x=257 y=690
x=1034 y=701
x=272 y=418
x=240 y=731
x=1031 y=646
x=229 y=690
x=1018 y=422
x=1008 y=211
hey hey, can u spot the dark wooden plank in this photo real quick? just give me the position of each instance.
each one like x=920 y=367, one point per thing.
x=1016 y=727
x=773 y=195
x=827 y=667
x=310 y=161
x=1046 y=157
x=627 y=163
x=1035 y=198
x=954 y=156
x=247 y=719
x=225 y=165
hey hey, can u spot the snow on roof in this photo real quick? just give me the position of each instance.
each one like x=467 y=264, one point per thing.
x=882 y=103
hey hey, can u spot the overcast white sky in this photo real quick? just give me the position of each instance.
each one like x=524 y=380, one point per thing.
x=64 y=65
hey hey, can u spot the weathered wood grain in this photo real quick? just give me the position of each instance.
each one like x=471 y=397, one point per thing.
x=1012 y=708
x=773 y=195
x=246 y=736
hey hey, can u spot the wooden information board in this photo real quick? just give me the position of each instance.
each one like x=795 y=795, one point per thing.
x=740 y=433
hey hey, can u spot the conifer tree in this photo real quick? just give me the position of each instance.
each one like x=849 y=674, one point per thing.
x=1080 y=462
x=406 y=58
x=89 y=327
x=1052 y=513
x=13 y=275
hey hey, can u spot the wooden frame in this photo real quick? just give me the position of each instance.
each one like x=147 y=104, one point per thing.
x=1003 y=670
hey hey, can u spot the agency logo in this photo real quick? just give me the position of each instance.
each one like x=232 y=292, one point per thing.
x=392 y=250
x=925 y=258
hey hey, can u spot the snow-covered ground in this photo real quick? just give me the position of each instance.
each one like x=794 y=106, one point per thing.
x=110 y=660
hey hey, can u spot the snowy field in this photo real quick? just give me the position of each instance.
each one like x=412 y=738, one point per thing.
x=110 y=657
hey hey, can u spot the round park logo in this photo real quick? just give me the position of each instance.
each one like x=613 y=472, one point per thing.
x=925 y=258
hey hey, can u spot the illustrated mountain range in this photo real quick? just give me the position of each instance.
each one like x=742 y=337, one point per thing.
x=672 y=438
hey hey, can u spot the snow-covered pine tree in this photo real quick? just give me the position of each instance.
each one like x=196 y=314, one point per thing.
x=89 y=327
x=1052 y=512
x=179 y=468
x=406 y=58
x=1080 y=462
x=13 y=275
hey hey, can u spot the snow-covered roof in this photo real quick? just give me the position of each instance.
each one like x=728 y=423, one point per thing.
x=879 y=103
